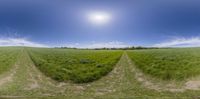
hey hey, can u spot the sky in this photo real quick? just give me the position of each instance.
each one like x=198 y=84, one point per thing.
x=100 y=23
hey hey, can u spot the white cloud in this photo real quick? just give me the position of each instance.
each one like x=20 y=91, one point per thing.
x=26 y=42
x=181 y=42
x=19 y=42
x=112 y=44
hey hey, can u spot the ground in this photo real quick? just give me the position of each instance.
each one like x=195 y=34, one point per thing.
x=124 y=81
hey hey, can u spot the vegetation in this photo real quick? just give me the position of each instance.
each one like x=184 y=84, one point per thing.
x=137 y=48
x=105 y=48
x=26 y=81
x=76 y=65
x=168 y=64
x=8 y=56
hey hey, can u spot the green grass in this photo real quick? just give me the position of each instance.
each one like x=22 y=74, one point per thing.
x=79 y=66
x=8 y=56
x=120 y=83
x=168 y=64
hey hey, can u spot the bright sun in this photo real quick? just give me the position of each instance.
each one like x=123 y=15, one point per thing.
x=99 y=17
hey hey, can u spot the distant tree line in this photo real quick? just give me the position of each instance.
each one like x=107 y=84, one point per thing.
x=125 y=48
x=66 y=47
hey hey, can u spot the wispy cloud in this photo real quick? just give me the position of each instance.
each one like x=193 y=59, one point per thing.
x=181 y=42
x=111 y=44
x=19 y=42
x=25 y=42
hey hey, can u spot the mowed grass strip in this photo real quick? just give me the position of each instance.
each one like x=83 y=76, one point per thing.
x=79 y=66
x=168 y=64
x=8 y=56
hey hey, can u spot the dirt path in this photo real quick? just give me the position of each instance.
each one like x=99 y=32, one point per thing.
x=29 y=81
x=148 y=82
x=124 y=81
x=26 y=80
x=173 y=86
x=8 y=77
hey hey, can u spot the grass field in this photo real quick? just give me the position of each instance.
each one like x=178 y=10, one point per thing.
x=75 y=65
x=168 y=64
x=26 y=79
x=8 y=57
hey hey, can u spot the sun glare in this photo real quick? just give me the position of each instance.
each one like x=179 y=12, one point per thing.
x=99 y=17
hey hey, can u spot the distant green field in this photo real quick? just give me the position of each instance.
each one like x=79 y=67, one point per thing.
x=8 y=56
x=168 y=64
x=75 y=65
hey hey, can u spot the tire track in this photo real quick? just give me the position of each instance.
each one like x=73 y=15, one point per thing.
x=8 y=77
x=148 y=82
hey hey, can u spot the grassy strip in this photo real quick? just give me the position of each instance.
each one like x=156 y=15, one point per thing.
x=79 y=66
x=168 y=64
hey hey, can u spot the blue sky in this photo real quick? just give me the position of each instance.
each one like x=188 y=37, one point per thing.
x=48 y=23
